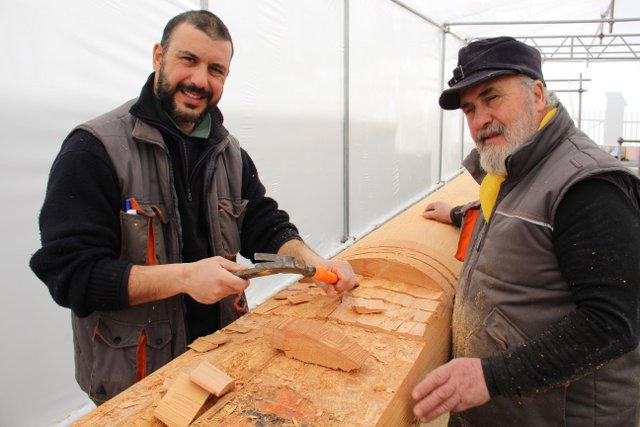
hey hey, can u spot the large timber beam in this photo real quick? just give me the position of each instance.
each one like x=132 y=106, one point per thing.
x=407 y=273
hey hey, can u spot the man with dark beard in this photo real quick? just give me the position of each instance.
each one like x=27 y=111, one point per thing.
x=545 y=325
x=146 y=208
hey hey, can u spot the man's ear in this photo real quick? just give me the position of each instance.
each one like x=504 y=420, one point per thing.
x=157 y=57
x=538 y=95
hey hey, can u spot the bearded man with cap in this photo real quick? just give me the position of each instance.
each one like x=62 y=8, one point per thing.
x=545 y=325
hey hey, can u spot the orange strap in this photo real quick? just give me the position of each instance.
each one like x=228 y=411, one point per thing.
x=470 y=217
x=152 y=259
x=151 y=244
x=141 y=357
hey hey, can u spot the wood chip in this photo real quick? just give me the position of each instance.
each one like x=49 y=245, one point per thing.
x=367 y=306
x=299 y=299
x=235 y=327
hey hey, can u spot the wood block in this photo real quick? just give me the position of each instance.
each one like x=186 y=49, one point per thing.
x=316 y=342
x=212 y=379
x=182 y=402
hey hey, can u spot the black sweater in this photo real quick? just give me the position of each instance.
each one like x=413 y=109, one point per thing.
x=79 y=221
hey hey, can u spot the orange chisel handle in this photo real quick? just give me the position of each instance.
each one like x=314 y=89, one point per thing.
x=326 y=276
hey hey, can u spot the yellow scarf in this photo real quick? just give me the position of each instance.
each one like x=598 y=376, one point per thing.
x=490 y=185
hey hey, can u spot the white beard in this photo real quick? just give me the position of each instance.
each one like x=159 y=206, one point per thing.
x=493 y=157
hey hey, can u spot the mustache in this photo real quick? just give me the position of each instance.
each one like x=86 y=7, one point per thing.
x=196 y=89
x=490 y=131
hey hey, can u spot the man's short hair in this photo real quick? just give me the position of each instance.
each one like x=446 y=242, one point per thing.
x=203 y=20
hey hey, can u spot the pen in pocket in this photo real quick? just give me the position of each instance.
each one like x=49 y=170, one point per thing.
x=127 y=207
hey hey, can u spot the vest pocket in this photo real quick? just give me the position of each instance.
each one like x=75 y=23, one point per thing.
x=230 y=216
x=142 y=236
x=125 y=350
x=504 y=333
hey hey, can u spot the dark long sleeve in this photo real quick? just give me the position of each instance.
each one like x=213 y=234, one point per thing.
x=596 y=238
x=79 y=226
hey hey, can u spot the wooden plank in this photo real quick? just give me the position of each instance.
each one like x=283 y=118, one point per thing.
x=406 y=265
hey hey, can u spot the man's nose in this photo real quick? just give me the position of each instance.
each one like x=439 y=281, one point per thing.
x=199 y=77
x=481 y=118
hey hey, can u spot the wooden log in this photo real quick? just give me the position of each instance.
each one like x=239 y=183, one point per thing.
x=406 y=266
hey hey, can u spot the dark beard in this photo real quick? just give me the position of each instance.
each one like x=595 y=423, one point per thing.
x=166 y=95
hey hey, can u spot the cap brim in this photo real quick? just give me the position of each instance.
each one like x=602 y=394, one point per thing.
x=450 y=98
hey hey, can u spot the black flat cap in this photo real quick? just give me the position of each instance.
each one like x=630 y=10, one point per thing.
x=485 y=59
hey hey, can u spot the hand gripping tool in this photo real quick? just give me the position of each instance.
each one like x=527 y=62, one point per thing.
x=277 y=264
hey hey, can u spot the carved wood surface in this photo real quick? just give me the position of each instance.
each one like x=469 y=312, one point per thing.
x=407 y=274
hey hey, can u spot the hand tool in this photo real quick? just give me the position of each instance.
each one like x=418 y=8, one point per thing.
x=279 y=264
x=285 y=264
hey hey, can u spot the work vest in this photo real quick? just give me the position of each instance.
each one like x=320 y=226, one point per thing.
x=114 y=349
x=511 y=288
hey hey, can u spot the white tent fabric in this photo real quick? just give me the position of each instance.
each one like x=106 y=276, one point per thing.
x=343 y=142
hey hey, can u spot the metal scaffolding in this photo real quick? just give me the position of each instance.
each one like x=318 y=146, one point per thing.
x=604 y=45
x=612 y=47
x=599 y=47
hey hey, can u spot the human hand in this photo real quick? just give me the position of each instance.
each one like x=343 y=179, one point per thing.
x=452 y=387
x=346 y=277
x=438 y=211
x=209 y=280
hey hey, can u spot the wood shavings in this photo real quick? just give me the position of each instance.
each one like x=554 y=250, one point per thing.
x=299 y=299
x=377 y=358
x=236 y=327
x=129 y=403
x=209 y=342
x=368 y=306
x=202 y=346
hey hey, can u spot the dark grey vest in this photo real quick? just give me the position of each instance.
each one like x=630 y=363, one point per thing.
x=511 y=288
x=106 y=342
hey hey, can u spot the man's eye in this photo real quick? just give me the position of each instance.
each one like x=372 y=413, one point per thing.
x=188 y=59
